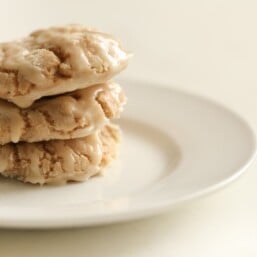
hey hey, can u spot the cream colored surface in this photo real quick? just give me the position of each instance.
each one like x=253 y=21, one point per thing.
x=59 y=161
x=72 y=115
x=57 y=60
x=208 y=47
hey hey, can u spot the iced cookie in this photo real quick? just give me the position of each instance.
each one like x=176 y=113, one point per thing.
x=67 y=116
x=57 y=60
x=59 y=161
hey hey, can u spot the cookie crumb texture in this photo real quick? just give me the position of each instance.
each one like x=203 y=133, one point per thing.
x=57 y=60
x=60 y=161
x=67 y=116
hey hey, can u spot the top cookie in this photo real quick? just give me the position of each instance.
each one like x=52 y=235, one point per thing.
x=57 y=60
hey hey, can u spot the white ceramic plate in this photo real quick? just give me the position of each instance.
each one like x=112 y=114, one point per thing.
x=176 y=147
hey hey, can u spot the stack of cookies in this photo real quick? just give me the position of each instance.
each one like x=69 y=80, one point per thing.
x=56 y=104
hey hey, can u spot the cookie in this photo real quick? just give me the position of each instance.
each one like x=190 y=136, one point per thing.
x=67 y=116
x=60 y=161
x=57 y=60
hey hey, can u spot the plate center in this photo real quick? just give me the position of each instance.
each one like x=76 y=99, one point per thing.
x=147 y=155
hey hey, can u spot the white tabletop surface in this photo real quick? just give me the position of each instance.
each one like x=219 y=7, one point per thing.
x=207 y=47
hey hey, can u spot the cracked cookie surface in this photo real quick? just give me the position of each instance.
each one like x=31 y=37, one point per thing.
x=60 y=161
x=57 y=60
x=72 y=115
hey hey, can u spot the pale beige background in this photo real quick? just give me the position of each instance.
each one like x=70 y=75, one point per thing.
x=207 y=47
